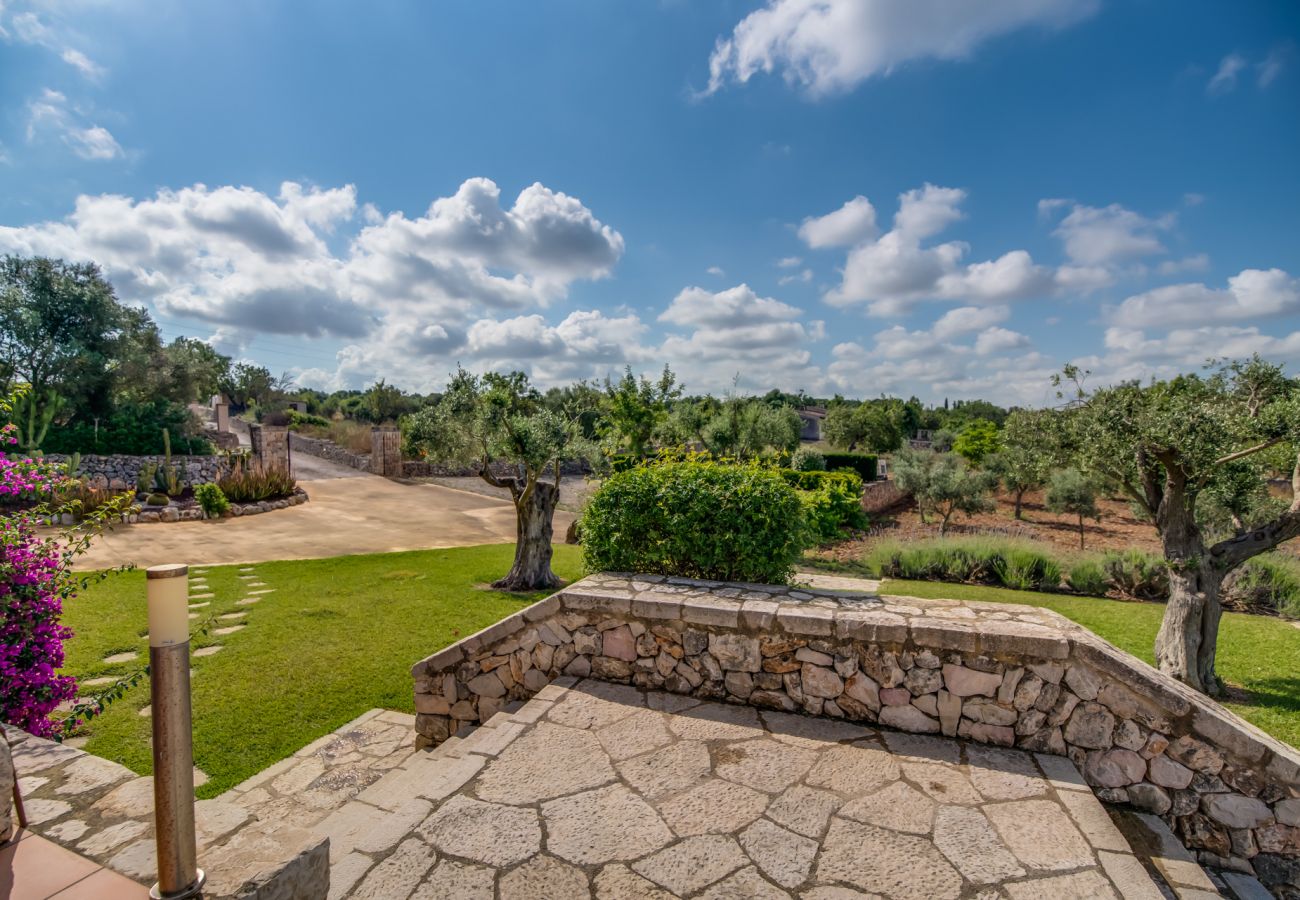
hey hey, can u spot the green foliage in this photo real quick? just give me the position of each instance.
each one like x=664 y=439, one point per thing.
x=212 y=500
x=877 y=425
x=298 y=420
x=144 y=478
x=1070 y=491
x=634 y=409
x=815 y=481
x=1030 y=447
x=247 y=482
x=1086 y=576
x=865 y=464
x=969 y=561
x=749 y=428
x=133 y=428
x=977 y=440
x=167 y=477
x=835 y=503
x=1268 y=583
x=1136 y=575
x=157 y=499
x=942 y=484
x=806 y=459
x=696 y=519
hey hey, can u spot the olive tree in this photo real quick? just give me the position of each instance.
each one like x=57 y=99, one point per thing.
x=500 y=422
x=876 y=425
x=635 y=408
x=942 y=484
x=1029 y=447
x=1070 y=491
x=1168 y=444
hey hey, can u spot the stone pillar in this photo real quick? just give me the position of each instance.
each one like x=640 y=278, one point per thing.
x=221 y=413
x=270 y=446
x=386 y=451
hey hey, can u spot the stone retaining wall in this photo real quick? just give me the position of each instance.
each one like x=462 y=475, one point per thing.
x=878 y=496
x=327 y=449
x=1006 y=675
x=120 y=472
x=7 y=778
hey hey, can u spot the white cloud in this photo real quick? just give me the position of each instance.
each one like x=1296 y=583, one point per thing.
x=1271 y=66
x=999 y=340
x=1110 y=235
x=29 y=28
x=715 y=271
x=1251 y=295
x=789 y=262
x=804 y=276
x=825 y=46
x=82 y=63
x=1224 y=79
x=239 y=258
x=1196 y=263
x=52 y=114
x=852 y=223
x=895 y=270
x=968 y=319
x=732 y=308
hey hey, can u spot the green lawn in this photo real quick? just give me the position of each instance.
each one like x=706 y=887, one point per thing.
x=1259 y=656
x=336 y=638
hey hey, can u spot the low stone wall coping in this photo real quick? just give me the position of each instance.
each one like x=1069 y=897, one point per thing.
x=1015 y=676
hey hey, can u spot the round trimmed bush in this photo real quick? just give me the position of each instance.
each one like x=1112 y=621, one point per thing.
x=695 y=519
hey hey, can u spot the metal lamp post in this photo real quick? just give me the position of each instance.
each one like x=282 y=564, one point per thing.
x=179 y=876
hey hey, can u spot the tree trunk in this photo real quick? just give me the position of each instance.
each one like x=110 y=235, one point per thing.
x=1080 y=531
x=534 y=510
x=1189 y=632
x=1020 y=503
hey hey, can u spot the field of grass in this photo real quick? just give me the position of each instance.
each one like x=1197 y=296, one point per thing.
x=336 y=637
x=1258 y=656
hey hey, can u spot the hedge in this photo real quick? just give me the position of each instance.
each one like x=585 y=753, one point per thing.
x=862 y=463
x=696 y=519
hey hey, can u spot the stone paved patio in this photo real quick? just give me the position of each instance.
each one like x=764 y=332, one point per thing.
x=602 y=790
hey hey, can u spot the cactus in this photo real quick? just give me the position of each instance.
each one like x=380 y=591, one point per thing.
x=144 y=480
x=168 y=477
x=72 y=465
x=34 y=417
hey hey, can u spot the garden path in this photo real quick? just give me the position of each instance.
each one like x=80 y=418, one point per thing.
x=349 y=512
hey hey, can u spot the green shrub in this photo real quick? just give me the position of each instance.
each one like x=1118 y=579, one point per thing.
x=807 y=460
x=297 y=420
x=968 y=561
x=814 y=481
x=862 y=463
x=1136 y=575
x=157 y=499
x=132 y=429
x=247 y=483
x=1086 y=577
x=1269 y=583
x=696 y=519
x=1027 y=570
x=211 y=500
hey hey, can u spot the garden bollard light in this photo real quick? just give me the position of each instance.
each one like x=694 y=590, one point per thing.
x=173 y=752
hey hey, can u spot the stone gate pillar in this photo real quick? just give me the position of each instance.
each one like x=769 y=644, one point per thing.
x=221 y=413
x=386 y=451
x=270 y=446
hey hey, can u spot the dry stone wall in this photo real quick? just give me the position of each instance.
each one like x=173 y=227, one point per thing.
x=326 y=449
x=1004 y=675
x=120 y=472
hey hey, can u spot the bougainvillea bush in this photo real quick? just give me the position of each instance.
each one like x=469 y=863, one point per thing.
x=35 y=579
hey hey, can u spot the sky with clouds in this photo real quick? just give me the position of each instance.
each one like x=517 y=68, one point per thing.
x=939 y=198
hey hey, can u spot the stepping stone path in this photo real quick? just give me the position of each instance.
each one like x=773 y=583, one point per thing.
x=230 y=629
x=200 y=605
x=146 y=710
x=96 y=682
x=233 y=615
x=116 y=658
x=206 y=596
x=248 y=601
x=209 y=651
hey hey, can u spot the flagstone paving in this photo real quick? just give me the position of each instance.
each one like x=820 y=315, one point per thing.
x=598 y=790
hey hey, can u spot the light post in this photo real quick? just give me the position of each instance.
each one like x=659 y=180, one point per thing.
x=179 y=876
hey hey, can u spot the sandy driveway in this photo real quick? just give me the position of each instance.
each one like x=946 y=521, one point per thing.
x=349 y=512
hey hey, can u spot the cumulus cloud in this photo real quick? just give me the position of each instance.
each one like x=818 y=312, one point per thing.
x=895 y=270
x=1250 y=295
x=853 y=222
x=239 y=258
x=826 y=46
x=52 y=114
x=968 y=319
x=1110 y=235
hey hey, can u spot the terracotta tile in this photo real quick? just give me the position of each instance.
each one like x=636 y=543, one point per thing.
x=35 y=869
x=104 y=885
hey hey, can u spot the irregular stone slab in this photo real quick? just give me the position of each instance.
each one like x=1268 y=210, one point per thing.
x=666 y=771
x=693 y=864
x=944 y=784
x=581 y=709
x=804 y=810
x=784 y=856
x=922 y=748
x=397 y=875
x=838 y=893
x=638 y=733
x=965 y=836
x=603 y=825
x=898 y=807
x=746 y=884
x=713 y=807
x=1090 y=885
x=1040 y=834
x=852 y=770
x=901 y=866
x=544 y=876
x=618 y=882
x=90 y=773
x=106 y=839
x=767 y=765
x=1126 y=871
x=549 y=761
x=210 y=650
x=715 y=722
x=489 y=833
x=1001 y=774
x=452 y=880
x=125 y=656
x=1094 y=821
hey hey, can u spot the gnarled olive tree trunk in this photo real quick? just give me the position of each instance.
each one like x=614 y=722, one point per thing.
x=535 y=502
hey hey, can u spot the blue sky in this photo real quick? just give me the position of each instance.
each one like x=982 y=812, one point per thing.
x=934 y=198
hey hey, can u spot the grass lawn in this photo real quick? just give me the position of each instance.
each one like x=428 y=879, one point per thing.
x=1258 y=656
x=336 y=637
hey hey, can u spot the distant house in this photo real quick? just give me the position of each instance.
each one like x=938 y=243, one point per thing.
x=812 y=418
x=298 y=406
